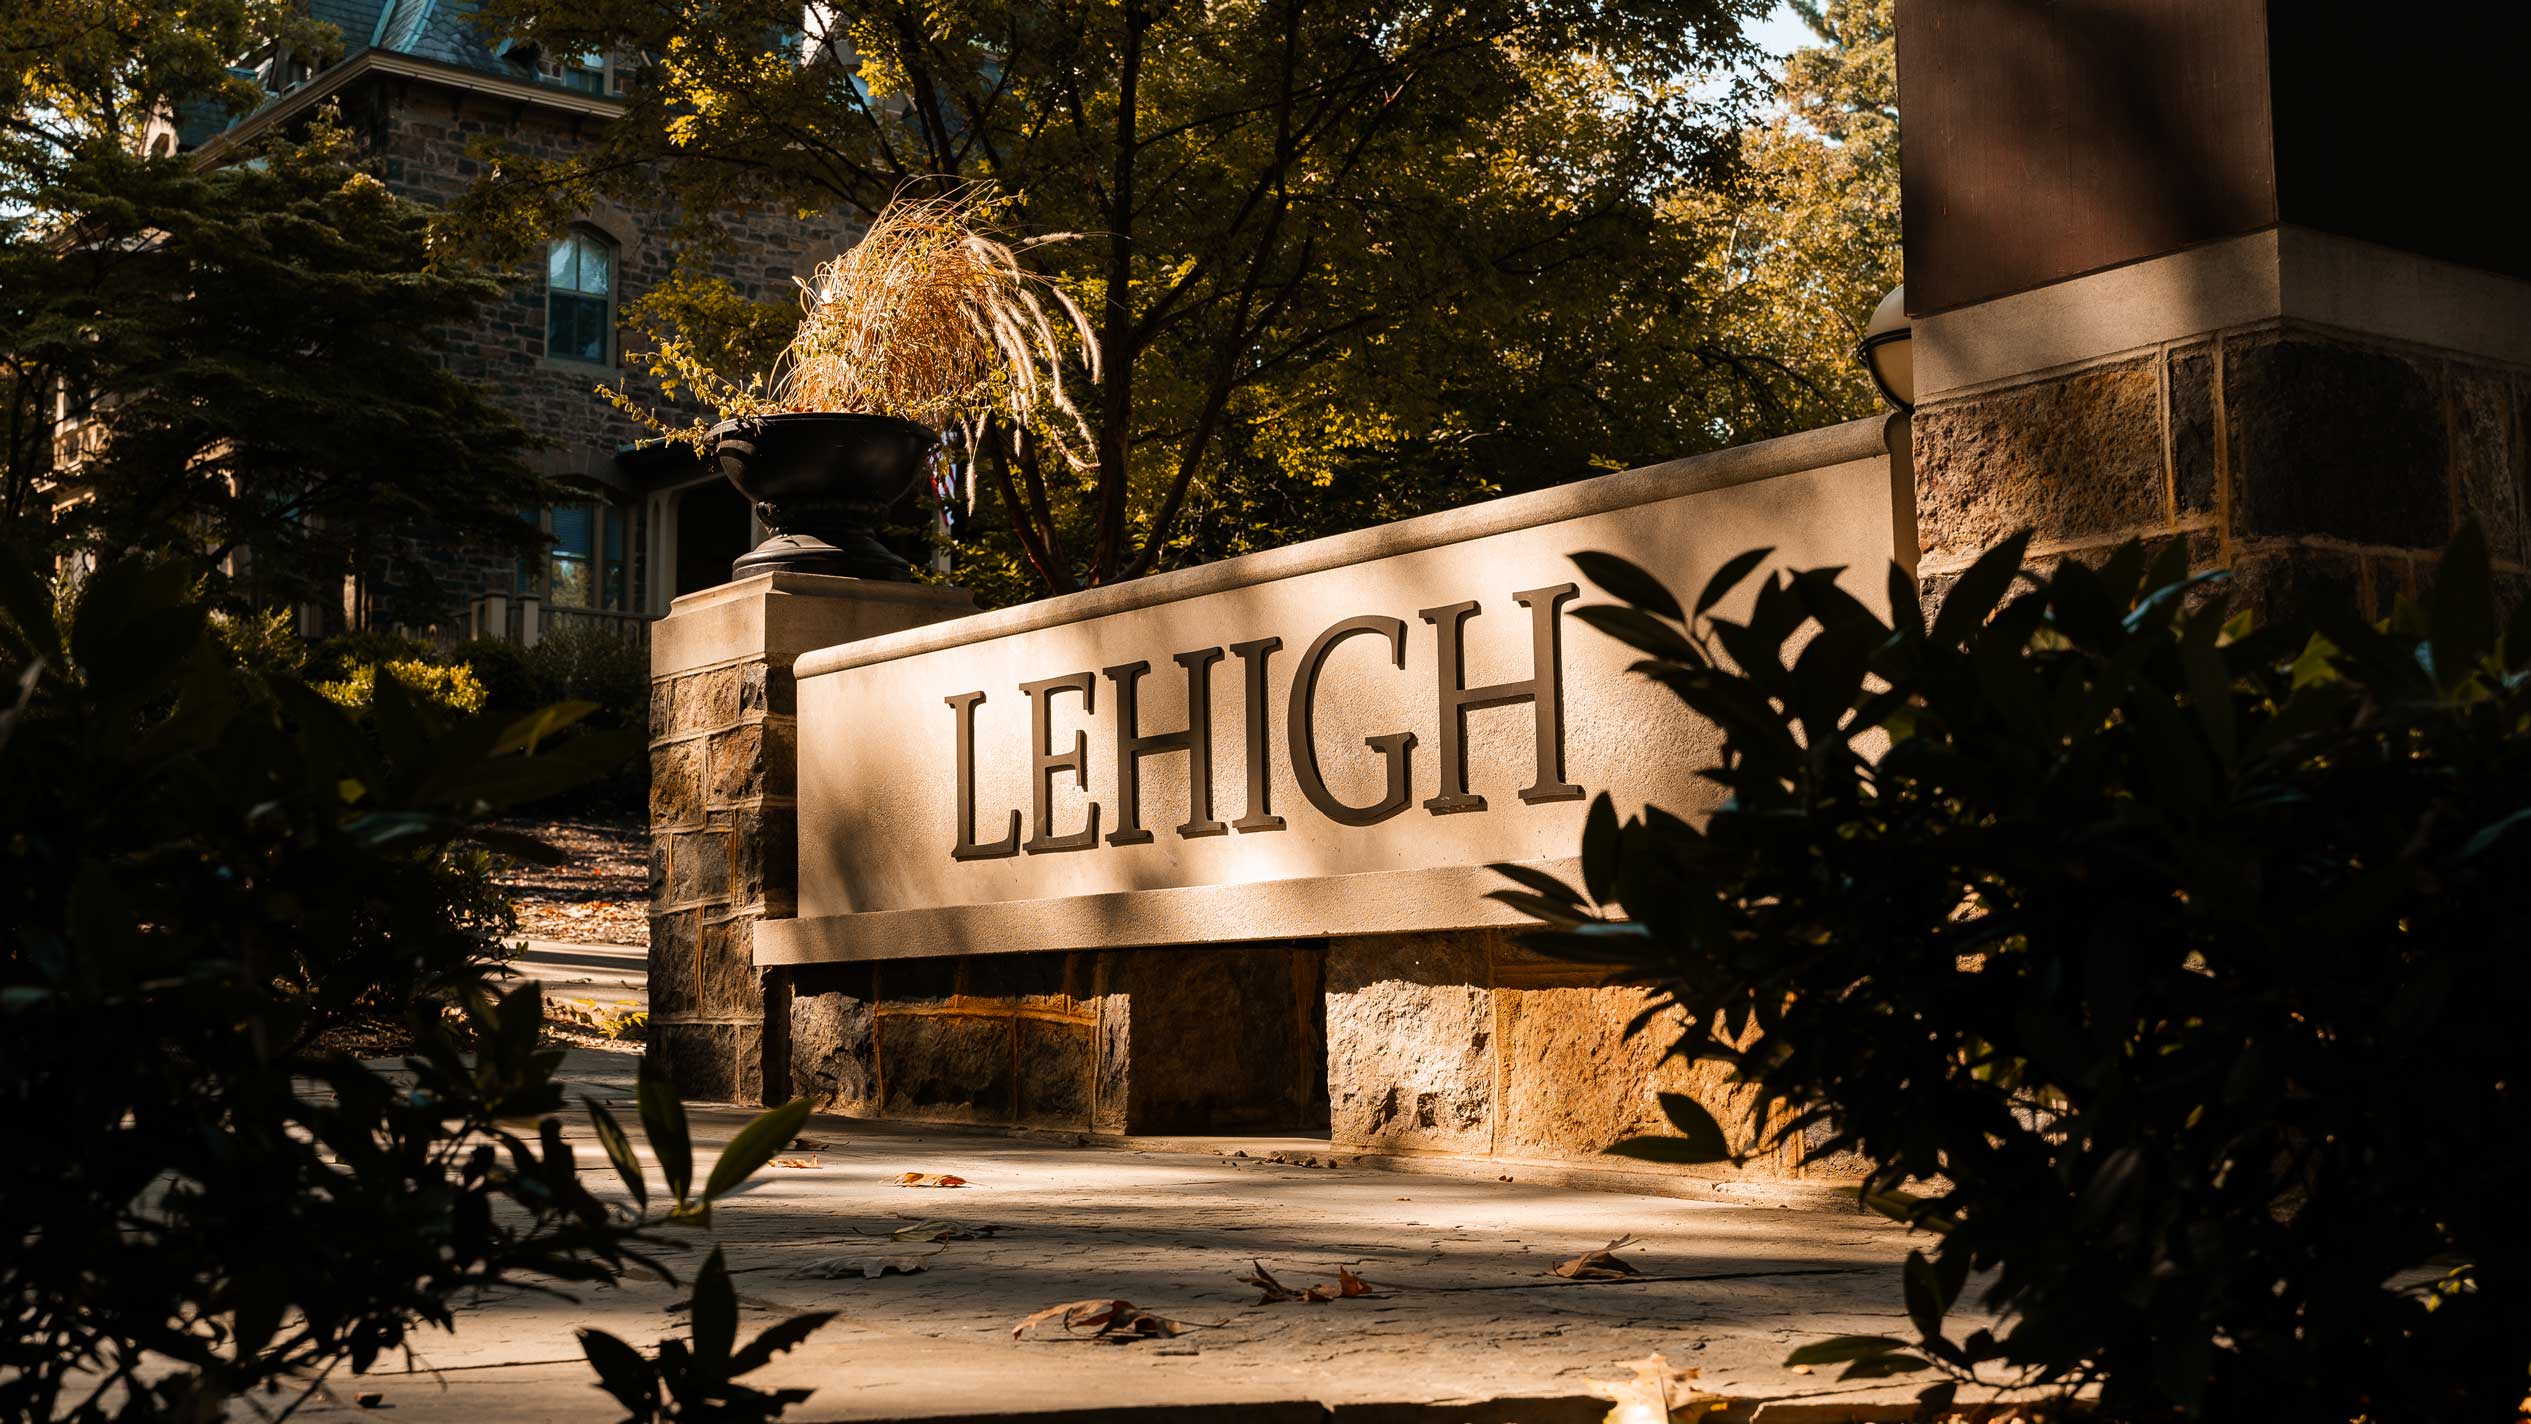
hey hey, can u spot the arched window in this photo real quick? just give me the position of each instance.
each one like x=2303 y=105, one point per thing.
x=580 y=299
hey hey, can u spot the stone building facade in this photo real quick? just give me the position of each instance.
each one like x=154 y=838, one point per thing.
x=428 y=92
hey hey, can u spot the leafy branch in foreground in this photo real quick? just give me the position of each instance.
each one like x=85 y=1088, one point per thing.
x=2164 y=963
x=203 y=868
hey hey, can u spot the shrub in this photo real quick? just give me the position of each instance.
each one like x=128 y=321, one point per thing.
x=2174 y=961
x=449 y=686
x=201 y=868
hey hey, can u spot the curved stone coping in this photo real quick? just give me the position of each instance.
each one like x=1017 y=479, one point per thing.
x=1322 y=907
x=1738 y=465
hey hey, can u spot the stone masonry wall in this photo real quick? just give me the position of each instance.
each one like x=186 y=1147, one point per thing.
x=722 y=783
x=2300 y=458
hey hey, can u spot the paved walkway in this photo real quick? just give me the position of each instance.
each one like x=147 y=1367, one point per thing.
x=1465 y=1313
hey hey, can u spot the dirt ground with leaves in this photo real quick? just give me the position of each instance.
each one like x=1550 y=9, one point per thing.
x=598 y=894
x=979 y=1275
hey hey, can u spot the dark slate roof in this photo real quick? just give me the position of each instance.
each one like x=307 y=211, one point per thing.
x=437 y=31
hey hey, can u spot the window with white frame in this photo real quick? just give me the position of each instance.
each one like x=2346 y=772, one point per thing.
x=586 y=566
x=580 y=298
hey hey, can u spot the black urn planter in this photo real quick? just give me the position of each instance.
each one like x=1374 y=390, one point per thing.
x=823 y=483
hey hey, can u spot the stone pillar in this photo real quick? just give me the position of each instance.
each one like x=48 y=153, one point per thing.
x=2173 y=277
x=723 y=815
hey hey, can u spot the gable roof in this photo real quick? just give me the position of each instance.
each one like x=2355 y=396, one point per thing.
x=427 y=39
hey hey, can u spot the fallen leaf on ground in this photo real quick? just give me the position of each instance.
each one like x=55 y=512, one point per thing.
x=867 y=1268
x=929 y=1179
x=1273 y=1292
x=1117 y=1320
x=1658 y=1394
x=795 y=1161
x=938 y=1231
x=1599 y=1265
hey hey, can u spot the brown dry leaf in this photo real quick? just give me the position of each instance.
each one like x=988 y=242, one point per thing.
x=1274 y=1291
x=1599 y=1265
x=939 y=1231
x=795 y=1161
x=929 y=1179
x=1346 y=1286
x=1658 y=1394
x=1116 y=1320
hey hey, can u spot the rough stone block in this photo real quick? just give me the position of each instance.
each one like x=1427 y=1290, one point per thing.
x=675 y=972
x=2284 y=581
x=765 y=858
x=2336 y=440
x=1057 y=1071
x=1113 y=1043
x=1219 y=1039
x=765 y=688
x=663 y=702
x=735 y=765
x=946 y=1067
x=2070 y=456
x=1575 y=1083
x=731 y=985
x=698 y=867
x=1410 y=1043
x=2488 y=461
x=676 y=786
x=2194 y=477
x=705 y=701
x=834 y=1050
x=710 y=1063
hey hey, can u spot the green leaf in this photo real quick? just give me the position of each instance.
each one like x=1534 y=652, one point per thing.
x=619 y=1150
x=1977 y=592
x=755 y=1145
x=1728 y=577
x=1845 y=1348
x=715 y=1307
x=523 y=735
x=2489 y=834
x=1906 y=608
x=1629 y=581
x=623 y=1373
x=663 y=1122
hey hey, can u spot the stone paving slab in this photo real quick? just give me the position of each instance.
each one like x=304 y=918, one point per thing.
x=1466 y=1316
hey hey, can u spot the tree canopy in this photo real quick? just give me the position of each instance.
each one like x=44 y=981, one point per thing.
x=223 y=363
x=1348 y=261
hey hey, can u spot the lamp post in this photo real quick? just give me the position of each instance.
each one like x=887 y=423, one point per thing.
x=1885 y=354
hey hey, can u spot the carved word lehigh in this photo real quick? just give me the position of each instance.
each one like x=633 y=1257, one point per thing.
x=1543 y=688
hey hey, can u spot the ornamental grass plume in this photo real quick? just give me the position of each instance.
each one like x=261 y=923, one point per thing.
x=930 y=317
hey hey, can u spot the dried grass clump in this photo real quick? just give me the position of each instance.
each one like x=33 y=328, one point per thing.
x=930 y=317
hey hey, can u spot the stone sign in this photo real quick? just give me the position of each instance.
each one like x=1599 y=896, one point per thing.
x=1332 y=739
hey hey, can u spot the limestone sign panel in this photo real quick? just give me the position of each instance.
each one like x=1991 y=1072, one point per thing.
x=1333 y=738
